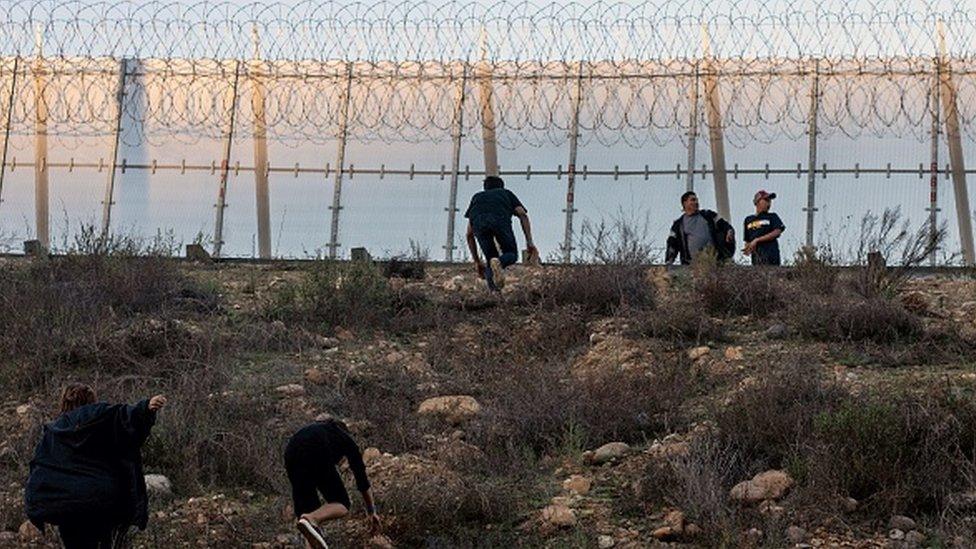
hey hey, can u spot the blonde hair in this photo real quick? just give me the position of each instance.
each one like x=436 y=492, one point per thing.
x=76 y=395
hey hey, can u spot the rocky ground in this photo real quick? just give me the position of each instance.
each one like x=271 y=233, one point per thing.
x=453 y=454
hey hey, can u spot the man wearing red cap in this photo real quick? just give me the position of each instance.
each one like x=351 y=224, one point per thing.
x=762 y=231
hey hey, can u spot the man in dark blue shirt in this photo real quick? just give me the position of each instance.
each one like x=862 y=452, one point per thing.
x=762 y=231
x=490 y=225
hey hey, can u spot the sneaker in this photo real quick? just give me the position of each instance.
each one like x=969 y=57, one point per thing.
x=312 y=534
x=497 y=273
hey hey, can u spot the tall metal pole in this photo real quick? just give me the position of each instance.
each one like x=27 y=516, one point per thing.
x=261 y=191
x=956 y=158
x=716 y=139
x=225 y=166
x=693 y=129
x=41 y=194
x=114 y=156
x=934 y=163
x=456 y=136
x=811 y=208
x=487 y=110
x=340 y=162
x=7 y=124
x=571 y=172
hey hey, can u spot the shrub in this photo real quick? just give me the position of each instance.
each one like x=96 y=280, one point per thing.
x=814 y=271
x=412 y=266
x=599 y=289
x=331 y=293
x=854 y=318
x=732 y=290
x=680 y=322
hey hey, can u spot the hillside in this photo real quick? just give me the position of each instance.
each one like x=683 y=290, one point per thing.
x=585 y=406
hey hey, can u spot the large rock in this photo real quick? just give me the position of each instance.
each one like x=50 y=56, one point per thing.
x=578 y=484
x=158 y=485
x=454 y=409
x=768 y=485
x=28 y=532
x=698 y=352
x=901 y=522
x=290 y=390
x=559 y=516
x=610 y=451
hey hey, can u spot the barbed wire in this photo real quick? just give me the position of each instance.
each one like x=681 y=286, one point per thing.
x=639 y=63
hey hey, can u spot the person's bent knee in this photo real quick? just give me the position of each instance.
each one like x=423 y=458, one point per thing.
x=340 y=509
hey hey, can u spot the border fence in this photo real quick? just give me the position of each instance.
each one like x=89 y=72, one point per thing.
x=494 y=78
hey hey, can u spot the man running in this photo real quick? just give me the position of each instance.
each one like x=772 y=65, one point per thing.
x=490 y=224
x=311 y=458
x=762 y=231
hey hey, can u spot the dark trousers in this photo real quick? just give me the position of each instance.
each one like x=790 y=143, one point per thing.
x=92 y=535
x=495 y=234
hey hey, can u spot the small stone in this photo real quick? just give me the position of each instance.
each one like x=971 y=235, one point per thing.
x=610 y=451
x=316 y=376
x=158 y=485
x=896 y=534
x=796 y=534
x=769 y=508
x=605 y=542
x=698 y=352
x=901 y=522
x=380 y=541
x=455 y=409
x=28 y=532
x=752 y=536
x=397 y=283
x=578 y=484
x=777 y=331
x=692 y=530
x=915 y=538
x=597 y=337
x=767 y=485
x=850 y=504
x=664 y=533
x=371 y=454
x=734 y=353
x=290 y=390
x=327 y=342
x=676 y=521
x=559 y=515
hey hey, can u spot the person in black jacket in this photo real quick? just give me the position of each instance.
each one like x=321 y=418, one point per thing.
x=311 y=457
x=697 y=230
x=86 y=476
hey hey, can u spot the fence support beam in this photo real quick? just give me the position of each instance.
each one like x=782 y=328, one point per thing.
x=956 y=158
x=716 y=139
x=693 y=128
x=41 y=190
x=225 y=166
x=261 y=191
x=487 y=110
x=109 y=199
x=812 y=132
x=340 y=162
x=456 y=135
x=934 y=163
x=7 y=124
x=571 y=171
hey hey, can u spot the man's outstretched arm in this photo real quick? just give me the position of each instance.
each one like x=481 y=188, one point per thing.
x=526 y=226
x=473 y=248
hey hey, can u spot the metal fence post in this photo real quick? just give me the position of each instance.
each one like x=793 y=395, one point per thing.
x=487 y=110
x=933 y=208
x=956 y=157
x=715 y=131
x=7 y=124
x=812 y=131
x=261 y=192
x=340 y=161
x=225 y=166
x=693 y=129
x=457 y=135
x=41 y=194
x=571 y=170
x=109 y=199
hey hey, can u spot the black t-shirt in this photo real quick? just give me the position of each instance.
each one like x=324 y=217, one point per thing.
x=326 y=443
x=493 y=203
x=766 y=253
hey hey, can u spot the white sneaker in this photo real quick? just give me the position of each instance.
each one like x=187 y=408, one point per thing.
x=312 y=533
x=497 y=273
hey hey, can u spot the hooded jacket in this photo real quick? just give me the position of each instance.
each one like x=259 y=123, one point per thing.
x=89 y=462
x=718 y=227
